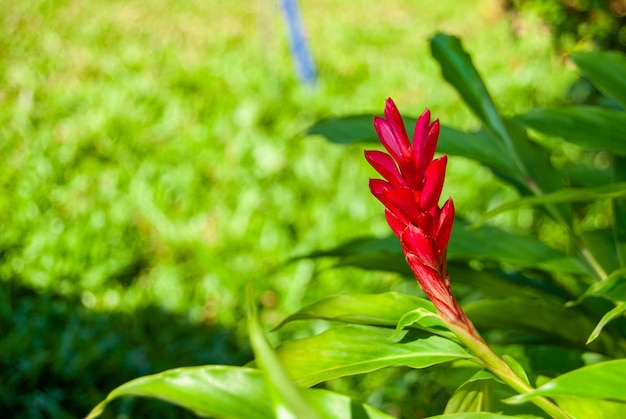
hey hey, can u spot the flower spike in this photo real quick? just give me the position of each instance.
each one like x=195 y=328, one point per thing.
x=410 y=193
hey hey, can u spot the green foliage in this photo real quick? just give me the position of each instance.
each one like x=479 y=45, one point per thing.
x=237 y=392
x=533 y=324
x=596 y=22
x=286 y=398
x=457 y=68
x=148 y=174
x=519 y=321
x=242 y=392
x=605 y=70
x=592 y=128
x=350 y=349
x=44 y=358
x=357 y=308
x=601 y=381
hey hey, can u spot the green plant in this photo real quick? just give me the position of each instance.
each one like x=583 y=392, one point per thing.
x=597 y=22
x=552 y=312
x=50 y=342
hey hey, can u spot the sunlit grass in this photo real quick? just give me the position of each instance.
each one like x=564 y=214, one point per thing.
x=152 y=151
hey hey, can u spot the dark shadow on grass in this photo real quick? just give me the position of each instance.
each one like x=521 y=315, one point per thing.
x=59 y=359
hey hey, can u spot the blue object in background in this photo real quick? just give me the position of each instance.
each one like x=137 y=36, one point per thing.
x=299 y=49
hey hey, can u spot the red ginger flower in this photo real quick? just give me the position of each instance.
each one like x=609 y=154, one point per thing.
x=410 y=194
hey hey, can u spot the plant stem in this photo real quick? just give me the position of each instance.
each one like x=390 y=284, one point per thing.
x=501 y=369
x=591 y=260
x=584 y=252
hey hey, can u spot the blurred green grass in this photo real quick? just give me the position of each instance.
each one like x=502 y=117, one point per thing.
x=152 y=152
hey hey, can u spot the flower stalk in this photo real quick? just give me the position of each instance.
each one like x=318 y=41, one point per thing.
x=410 y=191
x=502 y=370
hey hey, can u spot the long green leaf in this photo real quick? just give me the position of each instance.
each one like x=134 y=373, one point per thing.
x=230 y=392
x=618 y=311
x=349 y=129
x=615 y=190
x=458 y=70
x=207 y=391
x=601 y=247
x=351 y=349
x=370 y=253
x=526 y=316
x=613 y=288
x=606 y=381
x=475 y=395
x=491 y=243
x=478 y=146
x=384 y=309
x=619 y=211
x=557 y=358
x=336 y=405
x=287 y=400
x=501 y=284
x=360 y=129
x=485 y=243
x=483 y=392
x=590 y=127
x=425 y=320
x=581 y=175
x=480 y=415
x=542 y=176
x=584 y=407
x=606 y=70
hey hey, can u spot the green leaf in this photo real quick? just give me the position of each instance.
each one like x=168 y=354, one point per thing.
x=287 y=400
x=458 y=70
x=370 y=253
x=581 y=407
x=619 y=211
x=424 y=318
x=500 y=284
x=584 y=176
x=206 y=391
x=517 y=368
x=558 y=359
x=613 y=288
x=483 y=243
x=590 y=127
x=334 y=405
x=384 y=309
x=475 y=395
x=229 y=392
x=449 y=376
x=530 y=316
x=479 y=146
x=618 y=311
x=606 y=71
x=360 y=129
x=481 y=415
x=352 y=349
x=615 y=190
x=601 y=246
x=483 y=391
x=348 y=129
x=605 y=381
x=542 y=177
x=491 y=243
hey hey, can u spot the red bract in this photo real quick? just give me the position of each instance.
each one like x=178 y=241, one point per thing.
x=410 y=193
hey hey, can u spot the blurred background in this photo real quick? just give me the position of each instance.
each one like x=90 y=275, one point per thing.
x=154 y=162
